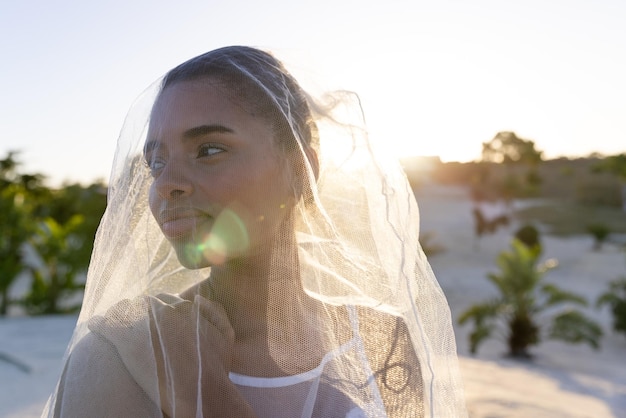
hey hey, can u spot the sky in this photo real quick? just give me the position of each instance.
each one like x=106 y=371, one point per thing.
x=435 y=77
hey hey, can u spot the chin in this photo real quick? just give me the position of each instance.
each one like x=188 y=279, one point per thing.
x=195 y=256
x=226 y=239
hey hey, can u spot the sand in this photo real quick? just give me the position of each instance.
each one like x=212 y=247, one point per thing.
x=561 y=381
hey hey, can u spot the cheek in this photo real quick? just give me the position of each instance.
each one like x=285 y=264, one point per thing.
x=270 y=192
x=262 y=198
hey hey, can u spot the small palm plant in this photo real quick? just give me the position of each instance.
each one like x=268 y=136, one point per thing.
x=523 y=297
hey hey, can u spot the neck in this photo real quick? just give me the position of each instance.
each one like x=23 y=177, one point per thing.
x=262 y=293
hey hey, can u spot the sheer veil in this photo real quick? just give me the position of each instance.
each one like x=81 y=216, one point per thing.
x=364 y=331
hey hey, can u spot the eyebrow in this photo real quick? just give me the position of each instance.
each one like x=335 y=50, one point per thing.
x=205 y=130
x=191 y=133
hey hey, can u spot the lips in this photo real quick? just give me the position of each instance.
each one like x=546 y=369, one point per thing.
x=177 y=224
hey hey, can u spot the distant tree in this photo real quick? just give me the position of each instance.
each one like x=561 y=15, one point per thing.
x=520 y=157
x=75 y=199
x=63 y=241
x=55 y=278
x=17 y=204
x=522 y=298
x=58 y=224
x=616 y=165
x=507 y=148
x=13 y=234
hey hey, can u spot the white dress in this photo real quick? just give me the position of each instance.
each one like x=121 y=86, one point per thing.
x=307 y=394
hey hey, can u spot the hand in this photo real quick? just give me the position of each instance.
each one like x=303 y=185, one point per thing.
x=193 y=345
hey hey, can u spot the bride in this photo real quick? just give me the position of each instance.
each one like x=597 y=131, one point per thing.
x=257 y=258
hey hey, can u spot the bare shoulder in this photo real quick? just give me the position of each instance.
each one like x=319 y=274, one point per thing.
x=96 y=383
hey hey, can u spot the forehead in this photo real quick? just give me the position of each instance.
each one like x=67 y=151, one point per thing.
x=191 y=111
x=197 y=101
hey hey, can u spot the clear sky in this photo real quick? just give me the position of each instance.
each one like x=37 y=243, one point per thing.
x=435 y=77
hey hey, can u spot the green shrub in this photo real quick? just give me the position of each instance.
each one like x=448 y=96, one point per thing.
x=528 y=235
x=523 y=296
x=600 y=232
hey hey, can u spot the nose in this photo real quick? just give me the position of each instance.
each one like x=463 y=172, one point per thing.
x=173 y=181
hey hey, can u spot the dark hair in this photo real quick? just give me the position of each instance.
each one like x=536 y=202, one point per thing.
x=256 y=79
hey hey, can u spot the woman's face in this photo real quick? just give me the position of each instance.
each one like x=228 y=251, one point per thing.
x=221 y=186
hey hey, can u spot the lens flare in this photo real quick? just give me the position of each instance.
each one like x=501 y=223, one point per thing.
x=228 y=237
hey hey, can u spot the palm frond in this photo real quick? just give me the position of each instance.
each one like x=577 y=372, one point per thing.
x=557 y=296
x=574 y=327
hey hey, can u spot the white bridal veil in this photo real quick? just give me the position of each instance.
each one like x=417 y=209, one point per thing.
x=304 y=292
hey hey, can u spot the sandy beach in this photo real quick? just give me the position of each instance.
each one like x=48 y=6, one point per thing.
x=561 y=381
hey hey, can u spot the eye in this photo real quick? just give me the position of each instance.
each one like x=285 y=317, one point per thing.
x=206 y=150
x=154 y=164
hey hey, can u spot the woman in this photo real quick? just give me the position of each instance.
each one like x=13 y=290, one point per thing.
x=256 y=259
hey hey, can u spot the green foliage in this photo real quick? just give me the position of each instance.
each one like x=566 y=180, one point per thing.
x=615 y=298
x=614 y=164
x=533 y=179
x=506 y=147
x=14 y=234
x=483 y=316
x=75 y=199
x=522 y=298
x=520 y=157
x=63 y=240
x=573 y=180
x=59 y=225
x=600 y=232
x=573 y=327
x=598 y=192
x=491 y=181
x=564 y=218
x=528 y=235
x=17 y=193
x=555 y=296
x=59 y=246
